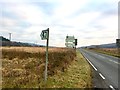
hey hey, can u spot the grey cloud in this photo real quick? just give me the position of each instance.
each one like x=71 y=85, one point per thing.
x=105 y=8
x=46 y=7
x=64 y=26
x=49 y=25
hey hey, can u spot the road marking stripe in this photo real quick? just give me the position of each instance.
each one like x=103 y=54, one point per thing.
x=102 y=76
x=91 y=64
x=111 y=87
x=114 y=61
x=101 y=56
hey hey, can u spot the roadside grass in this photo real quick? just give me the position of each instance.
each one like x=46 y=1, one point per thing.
x=77 y=75
x=109 y=51
x=23 y=67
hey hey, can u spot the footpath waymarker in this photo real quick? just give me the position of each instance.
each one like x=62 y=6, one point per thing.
x=45 y=36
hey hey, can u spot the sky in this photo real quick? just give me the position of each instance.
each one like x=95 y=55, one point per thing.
x=92 y=22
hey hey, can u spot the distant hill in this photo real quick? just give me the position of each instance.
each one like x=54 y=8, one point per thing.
x=3 y=39
x=7 y=42
x=110 y=45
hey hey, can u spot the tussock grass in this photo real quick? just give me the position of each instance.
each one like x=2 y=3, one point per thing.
x=24 y=66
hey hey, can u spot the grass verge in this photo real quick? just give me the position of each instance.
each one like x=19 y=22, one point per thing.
x=23 y=67
x=78 y=75
x=109 y=51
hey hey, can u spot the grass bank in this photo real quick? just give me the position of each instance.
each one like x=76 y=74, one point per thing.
x=23 y=67
x=77 y=75
x=109 y=51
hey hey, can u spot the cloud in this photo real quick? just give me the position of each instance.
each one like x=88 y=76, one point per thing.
x=91 y=22
x=66 y=8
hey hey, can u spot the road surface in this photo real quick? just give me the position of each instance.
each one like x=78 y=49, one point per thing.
x=108 y=67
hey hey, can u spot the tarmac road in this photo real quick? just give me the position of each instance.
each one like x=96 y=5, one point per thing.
x=107 y=67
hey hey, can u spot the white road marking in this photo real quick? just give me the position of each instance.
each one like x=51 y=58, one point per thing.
x=91 y=64
x=101 y=56
x=109 y=59
x=100 y=73
x=111 y=87
x=102 y=76
x=114 y=61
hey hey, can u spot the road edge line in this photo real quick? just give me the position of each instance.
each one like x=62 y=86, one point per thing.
x=111 y=87
x=89 y=62
x=102 y=76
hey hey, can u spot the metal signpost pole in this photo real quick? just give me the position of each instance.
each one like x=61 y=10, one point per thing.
x=75 y=43
x=46 y=64
x=45 y=36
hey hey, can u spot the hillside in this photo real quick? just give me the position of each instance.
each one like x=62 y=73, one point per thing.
x=110 y=45
x=3 y=39
x=7 y=42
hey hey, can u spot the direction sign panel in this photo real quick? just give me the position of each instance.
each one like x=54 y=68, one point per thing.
x=44 y=34
x=71 y=42
x=70 y=38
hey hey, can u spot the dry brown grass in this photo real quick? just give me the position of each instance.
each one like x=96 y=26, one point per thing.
x=110 y=51
x=77 y=75
x=24 y=66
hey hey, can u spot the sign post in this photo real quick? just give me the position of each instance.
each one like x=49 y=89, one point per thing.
x=75 y=43
x=45 y=36
x=118 y=43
